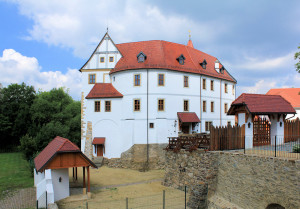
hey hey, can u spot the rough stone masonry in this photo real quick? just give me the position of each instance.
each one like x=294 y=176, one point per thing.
x=234 y=180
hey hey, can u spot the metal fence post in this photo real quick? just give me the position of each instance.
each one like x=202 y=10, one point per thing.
x=275 y=145
x=245 y=144
x=126 y=202
x=37 y=204
x=46 y=200
x=87 y=205
x=184 y=197
x=164 y=199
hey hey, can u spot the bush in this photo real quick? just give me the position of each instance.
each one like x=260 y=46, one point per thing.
x=28 y=146
x=296 y=148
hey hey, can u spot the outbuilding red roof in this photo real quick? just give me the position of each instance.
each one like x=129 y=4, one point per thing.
x=292 y=95
x=98 y=140
x=262 y=104
x=103 y=90
x=163 y=55
x=188 y=117
x=58 y=144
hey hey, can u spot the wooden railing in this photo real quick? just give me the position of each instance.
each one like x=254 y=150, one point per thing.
x=291 y=130
x=189 y=142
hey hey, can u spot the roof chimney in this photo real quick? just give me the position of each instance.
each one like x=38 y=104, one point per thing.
x=217 y=66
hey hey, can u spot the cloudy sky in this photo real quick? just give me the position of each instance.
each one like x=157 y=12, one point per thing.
x=44 y=43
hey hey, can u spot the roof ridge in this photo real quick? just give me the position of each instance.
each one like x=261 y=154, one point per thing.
x=187 y=49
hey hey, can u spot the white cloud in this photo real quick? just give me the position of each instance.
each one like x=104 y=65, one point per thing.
x=78 y=24
x=17 y=68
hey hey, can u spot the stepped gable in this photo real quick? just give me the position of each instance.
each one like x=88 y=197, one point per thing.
x=163 y=55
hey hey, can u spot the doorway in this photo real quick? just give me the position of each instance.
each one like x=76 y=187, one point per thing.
x=100 y=150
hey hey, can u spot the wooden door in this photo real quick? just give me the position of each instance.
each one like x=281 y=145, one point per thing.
x=185 y=128
x=99 y=150
x=261 y=132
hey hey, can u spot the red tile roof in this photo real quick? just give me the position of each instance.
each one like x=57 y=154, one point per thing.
x=262 y=104
x=188 y=117
x=58 y=144
x=98 y=140
x=292 y=95
x=163 y=54
x=103 y=90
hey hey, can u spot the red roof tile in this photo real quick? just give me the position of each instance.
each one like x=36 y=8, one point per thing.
x=190 y=43
x=188 y=117
x=58 y=144
x=263 y=104
x=103 y=90
x=163 y=54
x=292 y=95
x=98 y=140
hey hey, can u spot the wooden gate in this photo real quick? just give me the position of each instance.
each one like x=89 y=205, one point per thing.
x=261 y=132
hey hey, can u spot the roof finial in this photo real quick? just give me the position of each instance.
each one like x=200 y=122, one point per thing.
x=190 y=43
x=189 y=34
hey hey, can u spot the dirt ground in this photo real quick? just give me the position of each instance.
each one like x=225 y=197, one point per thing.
x=111 y=186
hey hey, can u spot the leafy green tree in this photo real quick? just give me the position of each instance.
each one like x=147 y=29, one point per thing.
x=15 y=103
x=297 y=56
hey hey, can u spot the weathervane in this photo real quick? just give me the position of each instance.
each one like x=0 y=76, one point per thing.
x=189 y=34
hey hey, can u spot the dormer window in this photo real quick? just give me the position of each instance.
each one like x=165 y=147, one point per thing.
x=222 y=70
x=141 y=57
x=203 y=64
x=181 y=59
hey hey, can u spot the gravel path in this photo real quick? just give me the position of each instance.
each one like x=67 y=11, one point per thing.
x=22 y=198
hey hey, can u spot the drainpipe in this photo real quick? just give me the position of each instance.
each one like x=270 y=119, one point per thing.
x=221 y=102
x=200 y=105
x=147 y=117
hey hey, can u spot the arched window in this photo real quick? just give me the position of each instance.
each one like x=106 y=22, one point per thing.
x=275 y=206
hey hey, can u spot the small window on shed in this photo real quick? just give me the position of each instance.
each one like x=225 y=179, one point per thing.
x=181 y=59
x=141 y=57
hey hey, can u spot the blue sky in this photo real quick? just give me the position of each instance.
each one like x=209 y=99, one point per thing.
x=44 y=43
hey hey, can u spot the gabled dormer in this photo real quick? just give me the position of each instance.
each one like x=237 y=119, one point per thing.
x=222 y=69
x=203 y=64
x=181 y=59
x=141 y=57
x=105 y=56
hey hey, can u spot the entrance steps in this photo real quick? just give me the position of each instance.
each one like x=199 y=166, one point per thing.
x=98 y=161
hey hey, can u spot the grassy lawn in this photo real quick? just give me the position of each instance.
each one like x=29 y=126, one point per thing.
x=14 y=173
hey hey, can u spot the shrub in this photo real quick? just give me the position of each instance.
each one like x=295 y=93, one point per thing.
x=296 y=148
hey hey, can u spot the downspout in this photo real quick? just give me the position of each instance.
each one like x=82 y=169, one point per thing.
x=200 y=106
x=147 y=117
x=221 y=102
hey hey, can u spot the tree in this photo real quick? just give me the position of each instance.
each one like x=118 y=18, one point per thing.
x=15 y=103
x=297 y=56
x=53 y=113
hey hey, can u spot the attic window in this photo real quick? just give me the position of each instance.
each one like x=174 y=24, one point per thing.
x=141 y=57
x=222 y=70
x=181 y=59
x=203 y=64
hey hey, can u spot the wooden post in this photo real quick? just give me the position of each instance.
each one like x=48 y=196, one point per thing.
x=88 y=178
x=83 y=169
x=76 y=173
x=73 y=173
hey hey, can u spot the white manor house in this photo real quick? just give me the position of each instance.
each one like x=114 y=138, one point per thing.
x=144 y=92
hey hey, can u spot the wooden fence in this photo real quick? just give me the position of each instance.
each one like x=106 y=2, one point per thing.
x=291 y=130
x=227 y=138
x=189 y=142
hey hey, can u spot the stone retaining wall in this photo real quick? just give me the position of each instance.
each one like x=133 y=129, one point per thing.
x=136 y=158
x=234 y=180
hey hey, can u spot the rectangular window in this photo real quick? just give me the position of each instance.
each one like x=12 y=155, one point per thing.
x=161 y=105
x=137 y=80
x=137 y=105
x=161 y=79
x=212 y=106
x=225 y=107
x=107 y=106
x=97 y=106
x=226 y=88
x=207 y=125
x=233 y=89
x=228 y=123
x=111 y=59
x=212 y=85
x=204 y=83
x=92 y=78
x=186 y=105
x=204 y=106
x=186 y=81
x=101 y=59
x=151 y=125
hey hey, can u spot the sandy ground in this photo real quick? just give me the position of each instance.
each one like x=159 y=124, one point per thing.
x=112 y=186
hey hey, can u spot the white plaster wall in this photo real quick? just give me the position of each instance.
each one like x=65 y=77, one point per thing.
x=277 y=130
x=38 y=177
x=61 y=189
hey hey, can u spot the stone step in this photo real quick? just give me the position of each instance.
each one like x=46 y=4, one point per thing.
x=98 y=161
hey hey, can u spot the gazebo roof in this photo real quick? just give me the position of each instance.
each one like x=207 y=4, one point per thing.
x=61 y=153
x=261 y=104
